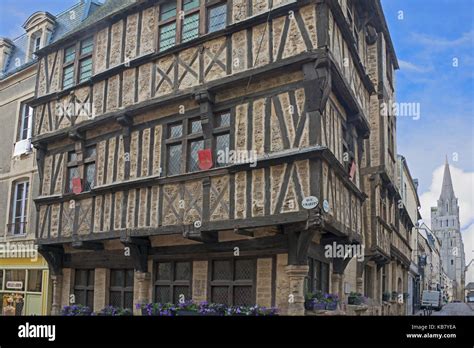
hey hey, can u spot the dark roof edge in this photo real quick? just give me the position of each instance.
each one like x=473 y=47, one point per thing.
x=388 y=38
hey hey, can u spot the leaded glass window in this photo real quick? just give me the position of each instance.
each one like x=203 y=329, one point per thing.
x=217 y=18
x=78 y=56
x=84 y=287
x=121 y=288
x=232 y=281
x=174 y=159
x=193 y=159
x=190 y=27
x=173 y=281
x=221 y=133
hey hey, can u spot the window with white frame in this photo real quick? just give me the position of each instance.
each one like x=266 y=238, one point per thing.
x=19 y=208
x=26 y=118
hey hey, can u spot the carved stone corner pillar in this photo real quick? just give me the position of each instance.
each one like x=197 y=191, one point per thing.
x=143 y=280
x=296 y=275
x=336 y=284
x=57 y=281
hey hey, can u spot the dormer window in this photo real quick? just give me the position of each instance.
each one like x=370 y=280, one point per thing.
x=77 y=62
x=35 y=44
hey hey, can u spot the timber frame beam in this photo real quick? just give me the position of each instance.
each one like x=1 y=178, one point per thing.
x=54 y=256
x=138 y=250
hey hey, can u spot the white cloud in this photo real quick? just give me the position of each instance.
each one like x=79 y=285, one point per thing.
x=463 y=183
x=439 y=43
x=411 y=67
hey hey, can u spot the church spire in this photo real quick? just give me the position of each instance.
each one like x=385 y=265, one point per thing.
x=447 y=191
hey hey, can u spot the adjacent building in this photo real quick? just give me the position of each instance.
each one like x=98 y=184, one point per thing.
x=23 y=272
x=409 y=205
x=446 y=226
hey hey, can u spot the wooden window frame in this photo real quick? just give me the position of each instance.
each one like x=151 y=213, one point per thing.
x=311 y=281
x=24 y=207
x=81 y=165
x=123 y=290
x=85 y=288
x=232 y=282
x=172 y=283
x=211 y=4
x=184 y=140
x=89 y=160
x=202 y=10
x=21 y=122
x=217 y=131
x=78 y=58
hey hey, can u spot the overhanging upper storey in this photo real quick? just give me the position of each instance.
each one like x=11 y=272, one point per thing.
x=149 y=51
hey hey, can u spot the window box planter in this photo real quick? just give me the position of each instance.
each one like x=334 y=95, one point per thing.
x=313 y=305
x=186 y=313
x=331 y=306
x=203 y=309
x=355 y=299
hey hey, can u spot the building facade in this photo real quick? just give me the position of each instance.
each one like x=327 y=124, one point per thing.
x=446 y=226
x=213 y=150
x=410 y=204
x=23 y=273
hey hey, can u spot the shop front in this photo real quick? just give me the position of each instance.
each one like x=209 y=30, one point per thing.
x=24 y=286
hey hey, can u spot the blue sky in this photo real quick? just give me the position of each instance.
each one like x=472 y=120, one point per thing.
x=13 y=13
x=429 y=36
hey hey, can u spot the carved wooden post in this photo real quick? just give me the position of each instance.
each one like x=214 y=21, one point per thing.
x=57 y=281
x=54 y=257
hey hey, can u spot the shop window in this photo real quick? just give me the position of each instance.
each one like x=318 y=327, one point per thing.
x=35 y=280
x=18 y=276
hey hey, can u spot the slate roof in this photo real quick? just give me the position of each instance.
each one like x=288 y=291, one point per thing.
x=65 y=23
x=109 y=7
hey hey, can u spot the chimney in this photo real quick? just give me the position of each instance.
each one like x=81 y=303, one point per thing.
x=6 y=47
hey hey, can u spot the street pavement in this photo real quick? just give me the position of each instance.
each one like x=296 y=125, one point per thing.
x=456 y=309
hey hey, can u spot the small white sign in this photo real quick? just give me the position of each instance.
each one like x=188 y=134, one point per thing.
x=326 y=206
x=197 y=224
x=309 y=202
x=14 y=285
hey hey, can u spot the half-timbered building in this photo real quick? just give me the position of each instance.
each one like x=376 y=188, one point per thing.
x=206 y=149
